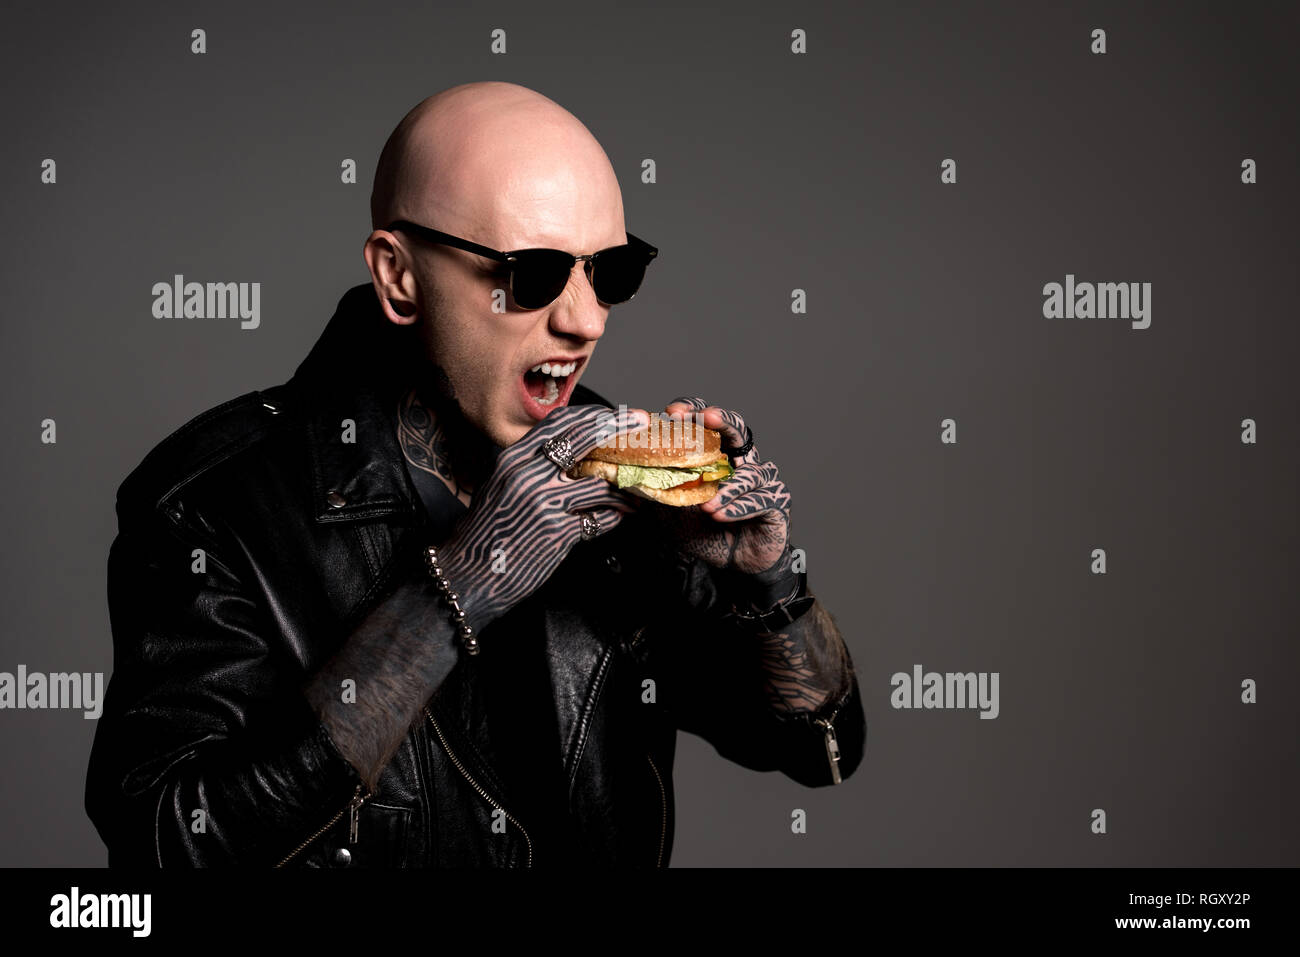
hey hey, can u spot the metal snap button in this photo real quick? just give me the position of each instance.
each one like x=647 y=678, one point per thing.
x=612 y=561
x=335 y=499
x=342 y=857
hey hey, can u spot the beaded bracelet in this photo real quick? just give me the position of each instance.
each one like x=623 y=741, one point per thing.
x=457 y=613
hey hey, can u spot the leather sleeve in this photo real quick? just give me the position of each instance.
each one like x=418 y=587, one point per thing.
x=712 y=682
x=202 y=713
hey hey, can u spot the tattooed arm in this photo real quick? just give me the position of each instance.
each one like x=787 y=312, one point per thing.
x=758 y=697
x=397 y=657
x=736 y=553
x=744 y=532
x=402 y=651
x=805 y=663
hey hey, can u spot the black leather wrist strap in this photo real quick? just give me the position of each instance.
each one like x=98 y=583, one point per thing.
x=783 y=613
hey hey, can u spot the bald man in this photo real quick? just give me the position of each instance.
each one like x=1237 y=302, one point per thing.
x=365 y=618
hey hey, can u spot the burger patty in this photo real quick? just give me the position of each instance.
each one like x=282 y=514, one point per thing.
x=609 y=471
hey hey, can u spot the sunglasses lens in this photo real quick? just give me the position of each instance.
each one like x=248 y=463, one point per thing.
x=617 y=274
x=540 y=275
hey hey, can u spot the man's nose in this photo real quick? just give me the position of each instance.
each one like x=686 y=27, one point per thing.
x=577 y=312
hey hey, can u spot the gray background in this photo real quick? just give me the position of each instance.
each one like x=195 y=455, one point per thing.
x=775 y=171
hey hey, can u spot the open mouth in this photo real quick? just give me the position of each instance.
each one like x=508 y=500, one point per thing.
x=549 y=384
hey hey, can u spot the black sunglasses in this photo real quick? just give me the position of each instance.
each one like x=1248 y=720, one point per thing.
x=538 y=276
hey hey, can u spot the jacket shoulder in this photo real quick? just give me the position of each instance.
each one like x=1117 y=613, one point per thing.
x=203 y=442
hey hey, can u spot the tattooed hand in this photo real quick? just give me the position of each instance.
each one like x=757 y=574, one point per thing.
x=526 y=517
x=745 y=526
x=745 y=530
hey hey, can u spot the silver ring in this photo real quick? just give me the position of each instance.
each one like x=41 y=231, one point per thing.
x=738 y=451
x=560 y=452
x=590 y=527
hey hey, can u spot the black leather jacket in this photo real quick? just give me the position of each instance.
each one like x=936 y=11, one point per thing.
x=207 y=753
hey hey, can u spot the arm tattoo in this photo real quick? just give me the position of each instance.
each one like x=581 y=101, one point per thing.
x=398 y=656
x=806 y=665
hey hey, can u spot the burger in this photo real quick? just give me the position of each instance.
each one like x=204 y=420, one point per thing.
x=671 y=461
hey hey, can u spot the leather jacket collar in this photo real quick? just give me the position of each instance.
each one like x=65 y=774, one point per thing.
x=355 y=372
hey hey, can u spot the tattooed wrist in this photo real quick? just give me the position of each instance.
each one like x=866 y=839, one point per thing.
x=481 y=592
x=368 y=694
x=526 y=514
x=763 y=590
x=806 y=664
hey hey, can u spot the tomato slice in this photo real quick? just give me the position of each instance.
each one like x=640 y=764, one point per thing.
x=691 y=484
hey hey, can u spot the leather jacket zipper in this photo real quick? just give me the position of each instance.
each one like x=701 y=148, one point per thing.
x=474 y=784
x=832 y=745
x=353 y=806
x=663 y=805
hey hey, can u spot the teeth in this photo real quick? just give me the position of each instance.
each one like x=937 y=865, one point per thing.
x=547 y=368
x=552 y=393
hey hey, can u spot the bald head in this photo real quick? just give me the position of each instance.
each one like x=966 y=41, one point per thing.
x=503 y=166
x=497 y=158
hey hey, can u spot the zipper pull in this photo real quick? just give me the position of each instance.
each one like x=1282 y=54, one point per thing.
x=354 y=819
x=832 y=748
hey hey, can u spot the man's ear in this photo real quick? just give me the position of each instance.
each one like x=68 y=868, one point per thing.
x=398 y=310
x=394 y=283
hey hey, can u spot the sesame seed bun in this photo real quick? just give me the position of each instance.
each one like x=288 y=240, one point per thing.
x=665 y=443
